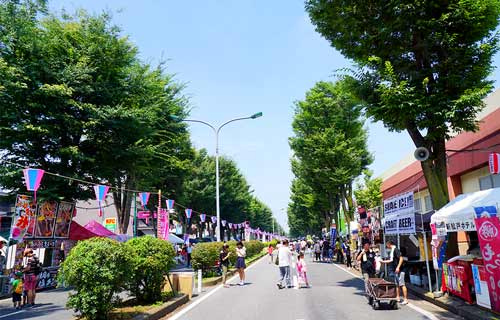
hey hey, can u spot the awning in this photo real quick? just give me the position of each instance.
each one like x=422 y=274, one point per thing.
x=458 y=214
x=99 y=229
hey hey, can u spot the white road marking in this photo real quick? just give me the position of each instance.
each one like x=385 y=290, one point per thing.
x=203 y=298
x=411 y=305
x=11 y=314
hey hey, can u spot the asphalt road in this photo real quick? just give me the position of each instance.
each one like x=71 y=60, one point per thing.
x=50 y=306
x=335 y=294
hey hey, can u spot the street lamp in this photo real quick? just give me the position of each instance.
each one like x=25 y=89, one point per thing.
x=217 y=131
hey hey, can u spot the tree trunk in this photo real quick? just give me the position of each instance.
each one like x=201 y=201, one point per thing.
x=434 y=168
x=435 y=172
x=123 y=203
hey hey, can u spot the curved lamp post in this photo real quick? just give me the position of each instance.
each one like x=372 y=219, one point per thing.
x=216 y=130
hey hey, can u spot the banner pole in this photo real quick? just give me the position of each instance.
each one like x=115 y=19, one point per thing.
x=135 y=214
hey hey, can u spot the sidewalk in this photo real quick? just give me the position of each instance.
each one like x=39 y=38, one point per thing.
x=447 y=302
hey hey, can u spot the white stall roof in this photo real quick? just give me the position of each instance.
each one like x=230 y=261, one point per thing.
x=461 y=209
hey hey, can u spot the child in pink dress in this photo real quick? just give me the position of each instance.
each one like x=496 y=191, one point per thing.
x=302 y=270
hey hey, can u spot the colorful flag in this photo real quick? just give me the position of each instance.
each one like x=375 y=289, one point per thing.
x=203 y=217
x=170 y=204
x=223 y=223
x=230 y=225
x=189 y=213
x=214 y=219
x=100 y=193
x=32 y=178
x=144 y=197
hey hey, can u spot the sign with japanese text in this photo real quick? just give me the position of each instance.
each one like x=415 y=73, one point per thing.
x=24 y=222
x=65 y=212
x=488 y=231
x=465 y=225
x=163 y=224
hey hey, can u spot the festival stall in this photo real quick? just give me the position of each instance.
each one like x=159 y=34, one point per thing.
x=411 y=231
x=473 y=276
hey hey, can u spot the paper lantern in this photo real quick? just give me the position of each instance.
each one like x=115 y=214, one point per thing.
x=32 y=178
x=144 y=198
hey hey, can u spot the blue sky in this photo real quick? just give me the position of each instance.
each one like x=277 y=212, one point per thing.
x=237 y=58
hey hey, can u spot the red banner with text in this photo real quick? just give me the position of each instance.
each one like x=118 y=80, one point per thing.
x=488 y=231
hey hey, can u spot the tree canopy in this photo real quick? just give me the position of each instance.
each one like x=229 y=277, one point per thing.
x=237 y=202
x=423 y=66
x=330 y=146
x=76 y=100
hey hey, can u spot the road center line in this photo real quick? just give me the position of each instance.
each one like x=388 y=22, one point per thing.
x=425 y=313
x=211 y=292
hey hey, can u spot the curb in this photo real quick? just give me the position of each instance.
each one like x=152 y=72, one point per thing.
x=163 y=310
x=460 y=308
x=469 y=312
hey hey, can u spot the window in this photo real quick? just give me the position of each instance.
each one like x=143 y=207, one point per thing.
x=428 y=203
x=488 y=182
x=418 y=205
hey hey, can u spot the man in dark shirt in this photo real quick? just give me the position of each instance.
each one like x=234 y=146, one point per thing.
x=394 y=269
x=367 y=259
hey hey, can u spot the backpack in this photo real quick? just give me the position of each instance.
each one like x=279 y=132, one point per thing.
x=19 y=287
x=36 y=266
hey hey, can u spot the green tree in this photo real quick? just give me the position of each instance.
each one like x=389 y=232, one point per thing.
x=369 y=193
x=306 y=211
x=237 y=203
x=75 y=100
x=424 y=66
x=330 y=144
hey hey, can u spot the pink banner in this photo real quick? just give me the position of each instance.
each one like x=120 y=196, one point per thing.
x=163 y=224
x=488 y=231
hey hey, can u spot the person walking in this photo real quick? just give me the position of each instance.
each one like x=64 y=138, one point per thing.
x=347 y=253
x=302 y=270
x=241 y=253
x=32 y=269
x=338 y=249
x=224 y=263
x=367 y=259
x=284 y=261
x=317 y=251
x=189 y=251
x=270 y=250
x=17 y=289
x=394 y=270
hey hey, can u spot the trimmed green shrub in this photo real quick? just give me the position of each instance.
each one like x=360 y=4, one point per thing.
x=97 y=269
x=151 y=259
x=205 y=255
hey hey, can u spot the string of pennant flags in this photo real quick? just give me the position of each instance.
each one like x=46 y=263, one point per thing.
x=33 y=179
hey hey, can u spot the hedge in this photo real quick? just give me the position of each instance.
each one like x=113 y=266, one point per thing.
x=206 y=255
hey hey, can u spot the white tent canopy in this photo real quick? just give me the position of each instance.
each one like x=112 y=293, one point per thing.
x=460 y=211
x=172 y=238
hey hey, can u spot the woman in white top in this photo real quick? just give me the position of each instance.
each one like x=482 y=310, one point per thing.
x=241 y=253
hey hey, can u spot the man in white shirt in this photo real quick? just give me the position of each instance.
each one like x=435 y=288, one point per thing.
x=284 y=258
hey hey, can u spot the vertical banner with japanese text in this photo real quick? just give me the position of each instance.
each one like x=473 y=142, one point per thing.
x=163 y=224
x=488 y=231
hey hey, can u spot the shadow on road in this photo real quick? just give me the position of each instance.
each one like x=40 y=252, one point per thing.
x=44 y=309
x=353 y=283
